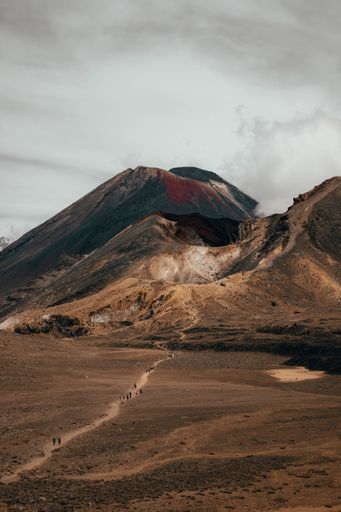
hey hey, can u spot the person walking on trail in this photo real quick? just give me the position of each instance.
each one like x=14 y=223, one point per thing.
x=59 y=441
x=140 y=391
x=54 y=441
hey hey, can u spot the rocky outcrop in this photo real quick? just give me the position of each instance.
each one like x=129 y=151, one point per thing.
x=62 y=325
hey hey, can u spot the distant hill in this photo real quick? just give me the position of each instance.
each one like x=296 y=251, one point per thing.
x=4 y=242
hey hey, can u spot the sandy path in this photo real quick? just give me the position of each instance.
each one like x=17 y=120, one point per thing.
x=49 y=449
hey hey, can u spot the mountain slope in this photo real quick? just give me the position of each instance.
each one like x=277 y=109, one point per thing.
x=136 y=251
x=46 y=252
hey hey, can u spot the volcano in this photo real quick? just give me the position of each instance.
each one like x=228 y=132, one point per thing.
x=200 y=270
x=48 y=251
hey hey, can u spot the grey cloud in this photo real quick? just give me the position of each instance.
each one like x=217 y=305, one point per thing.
x=272 y=33
x=89 y=87
x=16 y=159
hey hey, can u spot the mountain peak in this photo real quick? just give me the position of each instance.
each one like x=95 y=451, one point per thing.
x=197 y=173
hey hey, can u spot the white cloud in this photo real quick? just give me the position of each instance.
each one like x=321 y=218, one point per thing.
x=278 y=160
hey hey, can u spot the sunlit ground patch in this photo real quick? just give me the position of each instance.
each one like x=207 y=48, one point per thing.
x=294 y=374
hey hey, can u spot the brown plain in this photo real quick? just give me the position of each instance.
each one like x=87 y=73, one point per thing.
x=211 y=431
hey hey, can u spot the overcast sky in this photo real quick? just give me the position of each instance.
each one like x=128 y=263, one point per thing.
x=247 y=88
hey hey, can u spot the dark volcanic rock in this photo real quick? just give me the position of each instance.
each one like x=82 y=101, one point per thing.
x=63 y=325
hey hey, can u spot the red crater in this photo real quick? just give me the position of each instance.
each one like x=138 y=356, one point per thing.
x=184 y=191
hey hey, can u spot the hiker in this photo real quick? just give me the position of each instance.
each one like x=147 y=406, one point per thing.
x=140 y=391
x=59 y=441
x=130 y=394
x=127 y=397
x=54 y=441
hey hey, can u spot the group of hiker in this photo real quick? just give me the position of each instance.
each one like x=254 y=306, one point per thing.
x=136 y=392
x=131 y=394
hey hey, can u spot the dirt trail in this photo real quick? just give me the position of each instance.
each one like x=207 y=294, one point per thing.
x=49 y=449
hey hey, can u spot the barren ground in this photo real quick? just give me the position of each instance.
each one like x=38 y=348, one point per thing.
x=211 y=431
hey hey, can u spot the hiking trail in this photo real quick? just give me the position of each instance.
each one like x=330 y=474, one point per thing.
x=49 y=449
